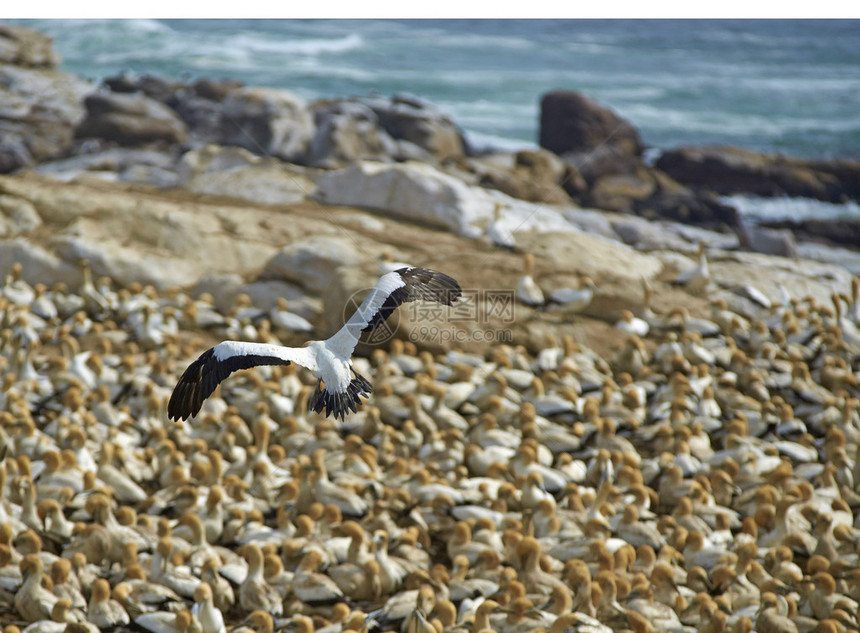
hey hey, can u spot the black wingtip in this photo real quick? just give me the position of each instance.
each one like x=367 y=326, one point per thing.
x=419 y=283
x=432 y=285
x=202 y=377
x=187 y=397
x=337 y=403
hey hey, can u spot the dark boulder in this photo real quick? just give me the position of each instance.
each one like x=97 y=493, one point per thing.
x=730 y=170
x=571 y=122
x=153 y=86
x=843 y=231
x=130 y=120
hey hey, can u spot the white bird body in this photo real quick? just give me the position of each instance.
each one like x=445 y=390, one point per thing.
x=698 y=277
x=330 y=360
x=574 y=299
x=527 y=289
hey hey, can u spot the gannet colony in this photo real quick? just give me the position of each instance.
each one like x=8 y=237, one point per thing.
x=704 y=478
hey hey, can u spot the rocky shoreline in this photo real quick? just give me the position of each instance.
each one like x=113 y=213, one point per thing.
x=150 y=145
x=146 y=177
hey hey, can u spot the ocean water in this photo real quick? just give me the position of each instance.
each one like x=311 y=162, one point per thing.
x=771 y=85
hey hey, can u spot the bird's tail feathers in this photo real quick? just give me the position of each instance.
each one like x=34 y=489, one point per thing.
x=340 y=403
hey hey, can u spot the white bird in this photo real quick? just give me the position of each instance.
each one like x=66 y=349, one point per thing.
x=330 y=360
x=574 y=299
x=698 y=277
x=282 y=318
x=527 y=290
x=630 y=324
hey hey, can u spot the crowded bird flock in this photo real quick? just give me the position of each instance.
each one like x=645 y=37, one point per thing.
x=703 y=478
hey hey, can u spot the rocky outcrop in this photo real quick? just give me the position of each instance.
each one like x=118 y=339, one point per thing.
x=130 y=120
x=422 y=194
x=412 y=120
x=238 y=173
x=844 y=231
x=412 y=190
x=730 y=170
x=17 y=216
x=573 y=124
x=327 y=187
x=312 y=262
x=399 y=128
x=603 y=153
x=533 y=175
x=128 y=164
x=768 y=241
x=39 y=106
x=347 y=131
x=26 y=48
x=266 y=121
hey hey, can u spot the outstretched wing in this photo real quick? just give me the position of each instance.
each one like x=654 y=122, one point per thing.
x=393 y=289
x=215 y=364
x=418 y=283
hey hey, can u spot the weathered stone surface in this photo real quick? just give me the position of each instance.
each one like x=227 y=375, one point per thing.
x=688 y=207
x=38 y=264
x=573 y=122
x=800 y=277
x=223 y=287
x=534 y=175
x=347 y=131
x=840 y=231
x=135 y=234
x=652 y=194
x=420 y=193
x=25 y=47
x=845 y=170
x=215 y=89
x=846 y=258
x=120 y=161
x=621 y=192
x=408 y=118
x=236 y=172
x=727 y=170
x=159 y=88
x=592 y=164
x=130 y=119
x=39 y=110
x=266 y=121
x=413 y=190
x=768 y=241
x=17 y=216
x=312 y=262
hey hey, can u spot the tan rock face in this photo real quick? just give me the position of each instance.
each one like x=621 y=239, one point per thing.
x=312 y=262
x=17 y=216
x=24 y=47
x=238 y=173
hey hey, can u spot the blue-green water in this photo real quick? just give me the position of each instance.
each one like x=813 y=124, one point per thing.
x=787 y=86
